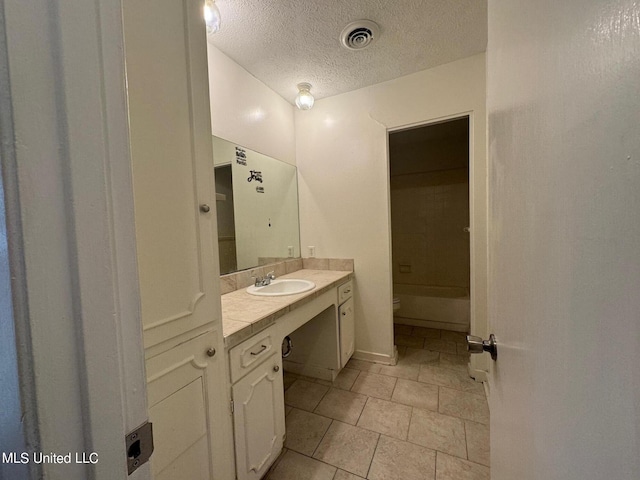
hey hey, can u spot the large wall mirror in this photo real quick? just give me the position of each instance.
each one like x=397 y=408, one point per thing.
x=257 y=204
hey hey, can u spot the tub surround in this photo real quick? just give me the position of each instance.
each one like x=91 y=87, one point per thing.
x=445 y=308
x=244 y=315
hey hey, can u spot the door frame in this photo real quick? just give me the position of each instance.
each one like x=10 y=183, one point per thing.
x=478 y=204
x=66 y=102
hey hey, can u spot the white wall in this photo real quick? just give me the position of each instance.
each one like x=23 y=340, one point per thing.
x=344 y=185
x=247 y=112
x=564 y=110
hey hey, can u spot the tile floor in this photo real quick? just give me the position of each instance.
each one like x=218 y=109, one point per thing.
x=423 y=419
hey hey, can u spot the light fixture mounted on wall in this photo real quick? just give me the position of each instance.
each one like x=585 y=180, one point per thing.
x=211 y=17
x=304 y=99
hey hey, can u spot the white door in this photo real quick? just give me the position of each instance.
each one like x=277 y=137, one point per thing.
x=347 y=331
x=172 y=165
x=258 y=418
x=170 y=129
x=184 y=390
x=564 y=276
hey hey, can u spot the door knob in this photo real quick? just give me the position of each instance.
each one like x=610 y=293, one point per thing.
x=211 y=352
x=477 y=345
x=205 y=208
x=276 y=368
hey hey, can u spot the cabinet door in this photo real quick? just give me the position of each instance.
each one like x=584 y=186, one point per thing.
x=171 y=153
x=347 y=331
x=183 y=387
x=259 y=419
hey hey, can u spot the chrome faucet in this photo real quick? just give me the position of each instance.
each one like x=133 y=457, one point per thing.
x=263 y=281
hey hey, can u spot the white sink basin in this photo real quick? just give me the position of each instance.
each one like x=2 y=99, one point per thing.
x=285 y=286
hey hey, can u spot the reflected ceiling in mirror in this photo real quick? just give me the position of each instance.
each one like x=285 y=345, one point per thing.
x=257 y=207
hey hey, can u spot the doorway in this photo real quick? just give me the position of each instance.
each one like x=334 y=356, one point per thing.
x=429 y=192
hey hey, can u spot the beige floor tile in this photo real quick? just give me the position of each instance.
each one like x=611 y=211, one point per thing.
x=294 y=466
x=451 y=468
x=385 y=417
x=342 y=475
x=305 y=430
x=399 y=329
x=416 y=394
x=401 y=371
x=477 y=442
x=418 y=356
x=398 y=460
x=288 y=379
x=363 y=366
x=446 y=377
x=346 y=378
x=455 y=362
x=347 y=447
x=304 y=395
x=439 y=345
x=374 y=385
x=409 y=341
x=438 y=432
x=425 y=332
x=464 y=405
x=342 y=405
x=458 y=337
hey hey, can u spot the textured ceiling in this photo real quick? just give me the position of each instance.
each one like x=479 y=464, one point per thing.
x=285 y=42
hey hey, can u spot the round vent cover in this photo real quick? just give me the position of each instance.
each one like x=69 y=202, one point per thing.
x=359 y=35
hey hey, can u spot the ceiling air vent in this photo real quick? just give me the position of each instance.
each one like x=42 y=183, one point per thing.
x=359 y=35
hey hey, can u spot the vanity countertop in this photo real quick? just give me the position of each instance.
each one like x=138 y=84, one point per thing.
x=243 y=314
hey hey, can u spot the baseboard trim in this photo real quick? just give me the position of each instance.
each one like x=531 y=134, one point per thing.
x=414 y=322
x=377 y=357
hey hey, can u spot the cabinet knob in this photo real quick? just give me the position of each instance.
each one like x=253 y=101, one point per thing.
x=205 y=208
x=276 y=368
x=211 y=352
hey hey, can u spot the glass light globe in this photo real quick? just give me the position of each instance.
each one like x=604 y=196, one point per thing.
x=211 y=16
x=304 y=100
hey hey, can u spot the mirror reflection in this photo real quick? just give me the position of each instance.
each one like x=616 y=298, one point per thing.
x=257 y=205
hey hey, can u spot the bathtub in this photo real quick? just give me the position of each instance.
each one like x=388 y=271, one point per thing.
x=433 y=306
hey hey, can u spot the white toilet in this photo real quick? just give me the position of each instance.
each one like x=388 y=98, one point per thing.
x=396 y=304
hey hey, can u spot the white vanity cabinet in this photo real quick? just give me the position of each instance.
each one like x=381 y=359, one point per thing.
x=258 y=404
x=347 y=322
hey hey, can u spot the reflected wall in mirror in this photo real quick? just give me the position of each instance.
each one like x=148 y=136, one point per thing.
x=257 y=205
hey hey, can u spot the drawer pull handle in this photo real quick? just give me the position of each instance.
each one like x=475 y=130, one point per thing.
x=344 y=313
x=264 y=347
x=211 y=352
x=276 y=368
x=347 y=291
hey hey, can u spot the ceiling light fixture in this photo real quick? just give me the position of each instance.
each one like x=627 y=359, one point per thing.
x=211 y=16
x=304 y=99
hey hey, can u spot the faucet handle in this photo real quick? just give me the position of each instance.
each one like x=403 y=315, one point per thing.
x=257 y=280
x=271 y=275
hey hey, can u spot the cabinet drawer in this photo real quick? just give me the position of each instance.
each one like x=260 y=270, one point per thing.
x=251 y=353
x=345 y=291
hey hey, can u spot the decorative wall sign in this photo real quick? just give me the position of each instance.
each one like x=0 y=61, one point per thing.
x=241 y=156
x=255 y=175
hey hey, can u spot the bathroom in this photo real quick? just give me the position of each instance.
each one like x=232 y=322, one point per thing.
x=121 y=317
x=295 y=417
x=202 y=372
